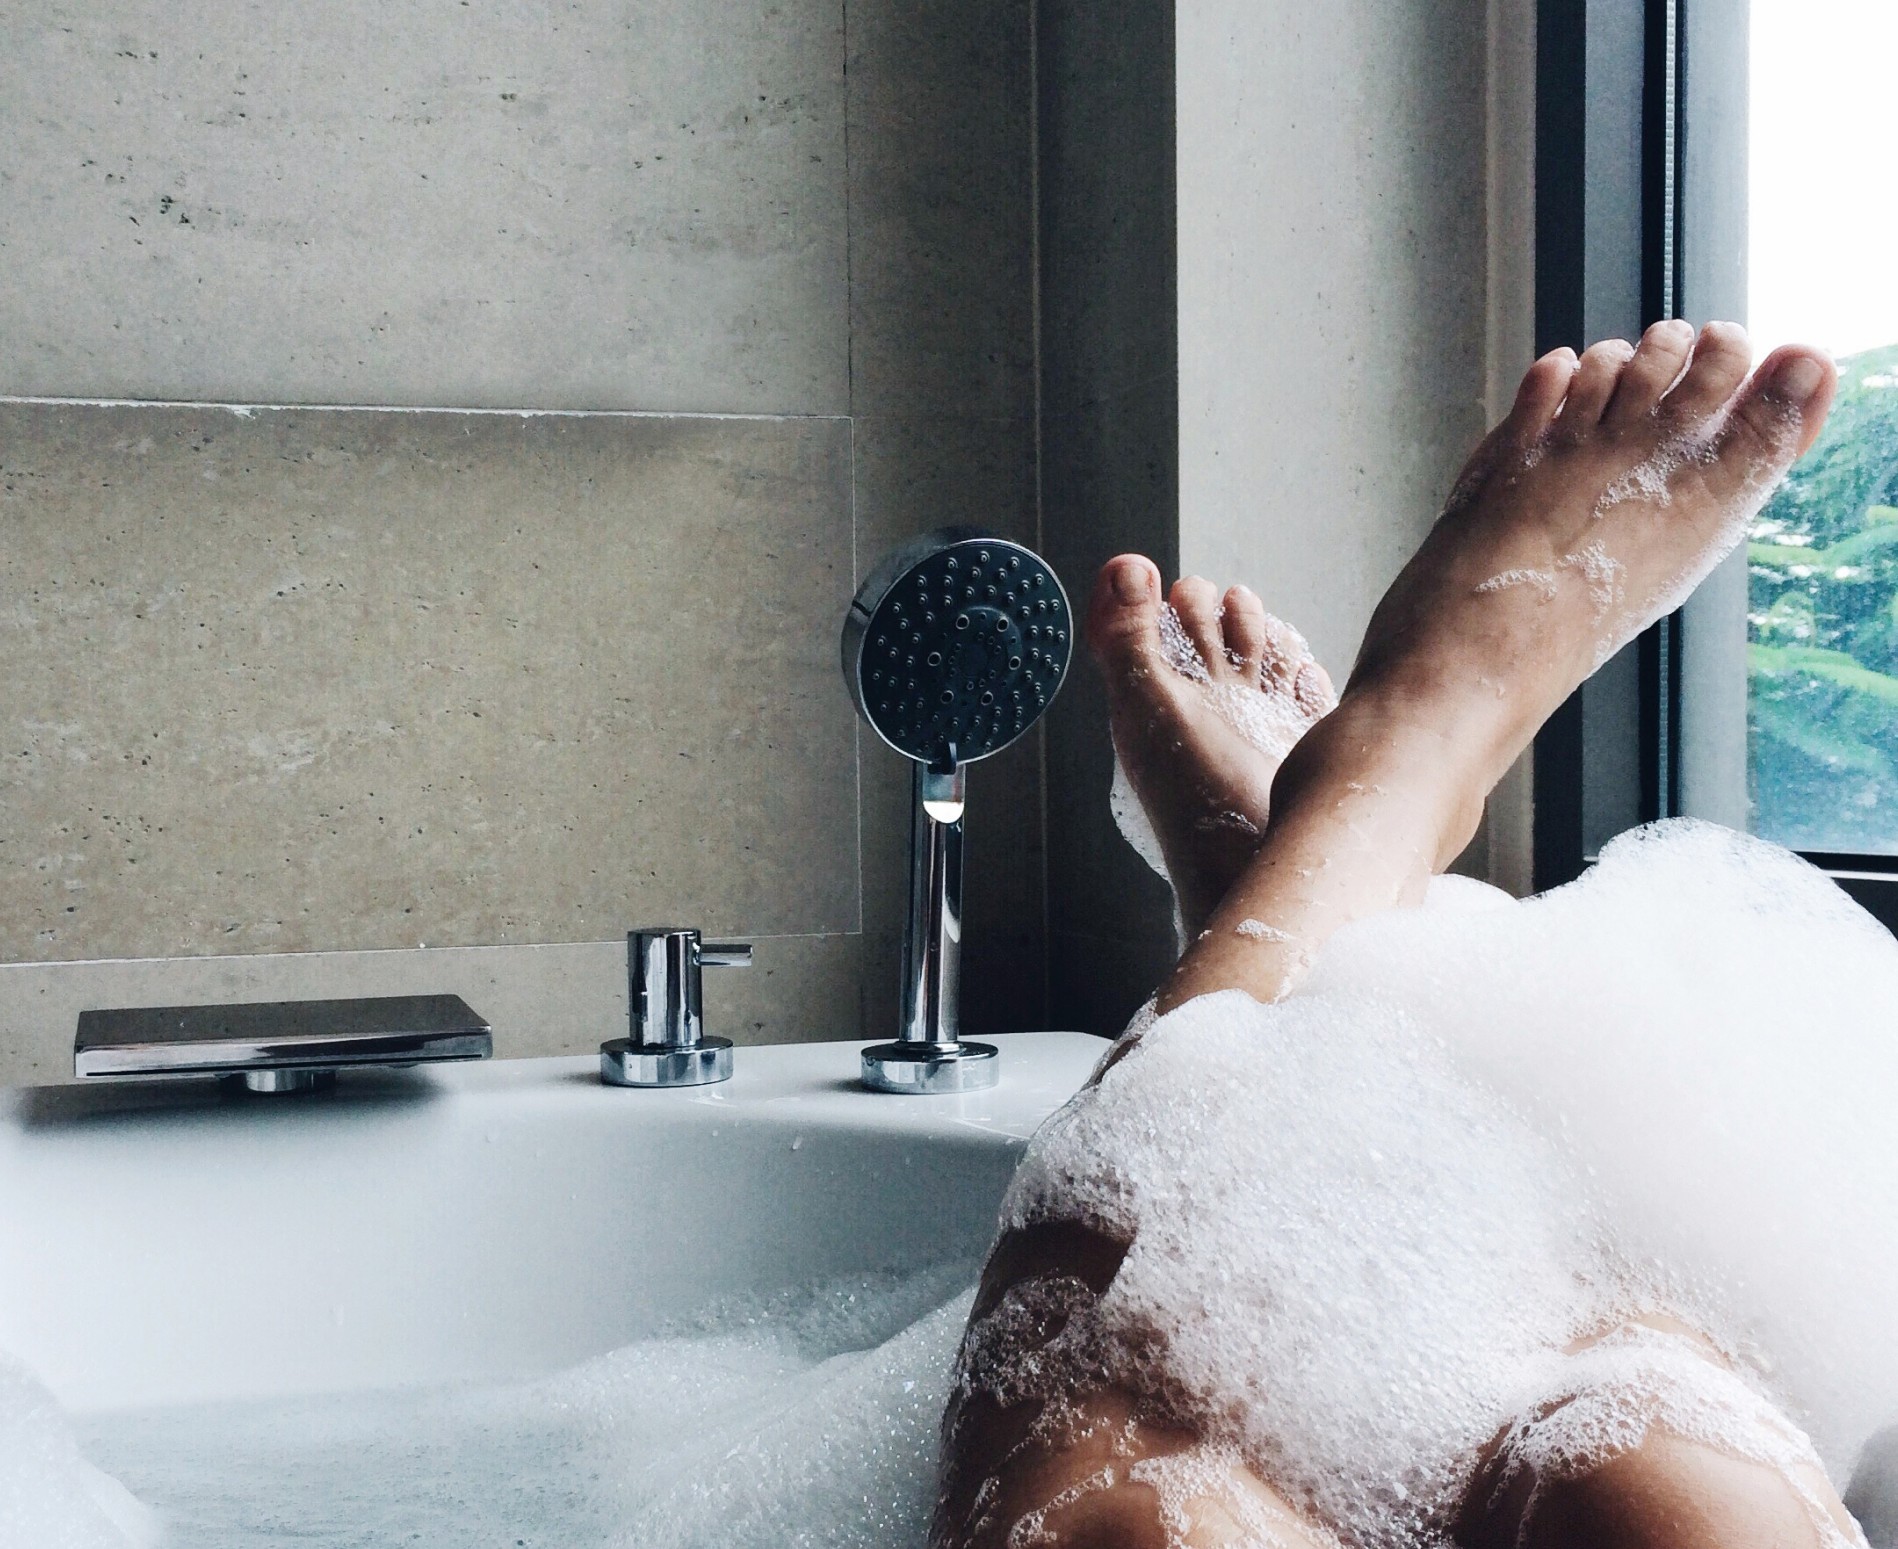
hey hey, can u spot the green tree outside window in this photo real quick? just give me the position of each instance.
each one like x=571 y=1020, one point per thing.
x=1822 y=630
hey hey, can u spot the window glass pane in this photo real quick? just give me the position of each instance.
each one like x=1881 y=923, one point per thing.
x=1822 y=616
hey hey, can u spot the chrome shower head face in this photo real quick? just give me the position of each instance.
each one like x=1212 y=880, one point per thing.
x=956 y=644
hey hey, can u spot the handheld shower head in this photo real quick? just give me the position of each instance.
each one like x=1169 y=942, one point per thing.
x=955 y=645
x=952 y=649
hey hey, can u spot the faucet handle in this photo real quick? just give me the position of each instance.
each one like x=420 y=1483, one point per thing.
x=665 y=1009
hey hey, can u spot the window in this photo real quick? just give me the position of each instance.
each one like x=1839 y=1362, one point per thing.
x=1822 y=265
x=1715 y=158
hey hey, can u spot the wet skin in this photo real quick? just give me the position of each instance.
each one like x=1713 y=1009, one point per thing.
x=1614 y=484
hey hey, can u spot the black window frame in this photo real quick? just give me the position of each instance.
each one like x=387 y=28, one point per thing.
x=1623 y=87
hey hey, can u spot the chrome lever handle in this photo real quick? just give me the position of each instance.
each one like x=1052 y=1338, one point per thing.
x=667 y=1045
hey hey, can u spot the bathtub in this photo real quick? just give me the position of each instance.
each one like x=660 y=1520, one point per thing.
x=163 y=1245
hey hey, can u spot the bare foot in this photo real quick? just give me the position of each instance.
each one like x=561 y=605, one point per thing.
x=1207 y=697
x=1615 y=484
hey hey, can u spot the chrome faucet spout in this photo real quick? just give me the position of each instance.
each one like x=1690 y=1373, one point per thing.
x=278 y=1046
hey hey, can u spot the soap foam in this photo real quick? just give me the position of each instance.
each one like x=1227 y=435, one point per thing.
x=1366 y=1222
x=1340 y=1257
x=1542 y=580
x=1131 y=819
x=1607 y=1399
x=51 y=1496
x=1600 y=571
x=1258 y=930
x=1180 y=652
x=1650 y=482
x=1271 y=718
x=805 y=1418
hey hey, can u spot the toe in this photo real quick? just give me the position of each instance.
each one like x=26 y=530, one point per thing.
x=1123 y=616
x=1539 y=396
x=1658 y=360
x=1721 y=356
x=1775 y=418
x=1802 y=380
x=1544 y=386
x=1196 y=600
x=1313 y=691
x=1285 y=654
x=1595 y=381
x=1243 y=621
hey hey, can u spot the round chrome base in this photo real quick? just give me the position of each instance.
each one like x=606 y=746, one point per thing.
x=928 y=1069
x=625 y=1063
x=282 y=1081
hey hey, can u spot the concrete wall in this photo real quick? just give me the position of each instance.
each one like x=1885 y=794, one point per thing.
x=1332 y=293
x=1110 y=429
x=818 y=217
x=1353 y=188
x=1255 y=342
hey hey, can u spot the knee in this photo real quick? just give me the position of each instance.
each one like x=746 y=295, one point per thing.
x=1668 y=1493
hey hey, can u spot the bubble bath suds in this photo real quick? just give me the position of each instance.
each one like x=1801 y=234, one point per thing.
x=1258 y=930
x=1364 y=1226
x=1649 y=483
x=1365 y=1222
x=807 y=1418
x=51 y=1495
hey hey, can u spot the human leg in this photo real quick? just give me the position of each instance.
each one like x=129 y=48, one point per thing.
x=1087 y=1468
x=1225 y=692
x=1592 y=510
x=1652 y=1441
x=1600 y=500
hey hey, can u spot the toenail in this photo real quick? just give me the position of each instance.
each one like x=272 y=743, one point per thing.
x=1132 y=583
x=1797 y=379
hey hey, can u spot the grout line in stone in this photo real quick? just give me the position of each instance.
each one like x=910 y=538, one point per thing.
x=246 y=410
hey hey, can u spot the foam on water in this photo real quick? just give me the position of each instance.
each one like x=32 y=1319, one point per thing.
x=1366 y=1223
x=51 y=1497
x=808 y=1418
x=1408 y=1211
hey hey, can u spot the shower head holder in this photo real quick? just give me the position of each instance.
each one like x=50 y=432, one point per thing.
x=952 y=649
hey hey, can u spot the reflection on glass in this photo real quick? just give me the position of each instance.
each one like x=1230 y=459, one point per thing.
x=1823 y=556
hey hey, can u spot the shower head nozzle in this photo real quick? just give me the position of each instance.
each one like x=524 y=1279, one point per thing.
x=955 y=645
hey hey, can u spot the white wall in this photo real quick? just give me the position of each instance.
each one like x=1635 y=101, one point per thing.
x=1355 y=256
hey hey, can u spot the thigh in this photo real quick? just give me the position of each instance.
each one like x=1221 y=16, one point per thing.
x=1668 y=1491
x=1082 y=1468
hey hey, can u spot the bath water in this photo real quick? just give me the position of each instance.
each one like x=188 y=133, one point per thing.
x=807 y=1418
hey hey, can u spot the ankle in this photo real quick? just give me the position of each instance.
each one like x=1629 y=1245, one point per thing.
x=1435 y=774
